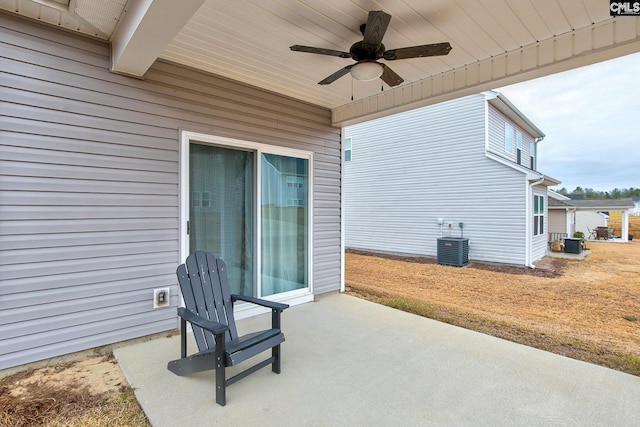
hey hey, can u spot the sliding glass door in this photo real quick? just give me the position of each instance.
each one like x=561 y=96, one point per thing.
x=250 y=207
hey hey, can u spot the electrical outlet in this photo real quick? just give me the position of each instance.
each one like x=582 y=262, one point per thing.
x=161 y=297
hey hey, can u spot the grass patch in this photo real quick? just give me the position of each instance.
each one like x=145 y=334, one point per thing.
x=574 y=348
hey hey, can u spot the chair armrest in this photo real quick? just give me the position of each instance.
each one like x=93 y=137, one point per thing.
x=263 y=302
x=209 y=325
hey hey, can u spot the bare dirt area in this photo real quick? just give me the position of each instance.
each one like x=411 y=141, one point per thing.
x=586 y=309
x=91 y=391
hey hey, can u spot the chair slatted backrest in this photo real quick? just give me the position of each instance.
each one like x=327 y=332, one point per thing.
x=205 y=289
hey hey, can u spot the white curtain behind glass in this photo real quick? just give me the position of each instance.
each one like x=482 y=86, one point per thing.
x=284 y=228
x=222 y=210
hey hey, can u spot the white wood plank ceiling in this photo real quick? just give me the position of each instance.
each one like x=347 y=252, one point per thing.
x=495 y=42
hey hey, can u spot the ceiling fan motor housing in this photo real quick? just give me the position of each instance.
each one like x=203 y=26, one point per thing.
x=361 y=51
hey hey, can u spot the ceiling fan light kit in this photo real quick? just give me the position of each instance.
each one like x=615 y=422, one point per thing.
x=367 y=52
x=366 y=71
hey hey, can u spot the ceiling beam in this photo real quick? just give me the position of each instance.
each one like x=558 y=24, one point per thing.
x=145 y=28
x=609 y=39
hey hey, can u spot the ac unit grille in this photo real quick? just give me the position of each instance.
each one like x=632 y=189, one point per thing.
x=453 y=251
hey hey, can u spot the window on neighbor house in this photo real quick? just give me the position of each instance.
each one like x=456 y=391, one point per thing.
x=532 y=155
x=538 y=215
x=519 y=146
x=201 y=199
x=508 y=138
x=295 y=181
x=347 y=149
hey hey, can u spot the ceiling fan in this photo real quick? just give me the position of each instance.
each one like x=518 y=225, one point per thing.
x=367 y=52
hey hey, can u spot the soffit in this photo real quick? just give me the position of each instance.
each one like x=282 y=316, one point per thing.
x=495 y=42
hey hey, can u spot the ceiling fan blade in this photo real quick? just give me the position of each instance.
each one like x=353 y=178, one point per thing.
x=335 y=76
x=377 y=24
x=320 y=51
x=390 y=77
x=435 y=49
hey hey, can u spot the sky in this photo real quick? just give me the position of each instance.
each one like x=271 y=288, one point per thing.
x=591 y=119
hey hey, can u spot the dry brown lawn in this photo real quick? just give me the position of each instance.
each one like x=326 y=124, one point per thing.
x=586 y=309
x=90 y=391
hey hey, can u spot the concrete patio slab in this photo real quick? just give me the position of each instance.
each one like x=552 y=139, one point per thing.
x=565 y=255
x=349 y=362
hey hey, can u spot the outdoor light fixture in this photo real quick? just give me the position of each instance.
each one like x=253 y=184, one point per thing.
x=365 y=71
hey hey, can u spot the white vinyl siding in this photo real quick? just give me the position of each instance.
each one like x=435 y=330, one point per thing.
x=89 y=180
x=430 y=163
x=500 y=127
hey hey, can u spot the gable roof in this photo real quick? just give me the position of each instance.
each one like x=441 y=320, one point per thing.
x=502 y=104
x=555 y=195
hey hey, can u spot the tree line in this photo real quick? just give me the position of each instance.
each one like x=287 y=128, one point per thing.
x=590 y=193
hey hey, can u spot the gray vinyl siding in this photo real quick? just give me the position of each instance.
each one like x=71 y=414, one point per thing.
x=409 y=170
x=89 y=186
x=557 y=220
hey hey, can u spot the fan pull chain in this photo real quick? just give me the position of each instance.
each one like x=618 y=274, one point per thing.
x=352 y=89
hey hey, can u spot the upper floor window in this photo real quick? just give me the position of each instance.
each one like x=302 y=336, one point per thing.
x=532 y=154
x=347 y=149
x=508 y=138
x=519 y=146
x=538 y=215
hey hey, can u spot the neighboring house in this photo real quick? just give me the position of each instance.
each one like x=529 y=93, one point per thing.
x=108 y=182
x=558 y=223
x=567 y=216
x=587 y=220
x=635 y=211
x=471 y=160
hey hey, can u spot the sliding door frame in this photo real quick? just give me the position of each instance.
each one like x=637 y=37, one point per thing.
x=294 y=297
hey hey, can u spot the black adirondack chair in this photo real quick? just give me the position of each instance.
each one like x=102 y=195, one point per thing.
x=209 y=310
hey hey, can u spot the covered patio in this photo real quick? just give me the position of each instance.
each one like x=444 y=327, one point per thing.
x=102 y=103
x=351 y=362
x=567 y=216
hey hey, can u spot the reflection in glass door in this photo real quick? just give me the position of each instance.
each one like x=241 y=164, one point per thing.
x=284 y=228
x=251 y=207
x=221 y=213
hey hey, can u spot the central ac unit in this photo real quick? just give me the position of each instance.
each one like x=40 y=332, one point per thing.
x=453 y=251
